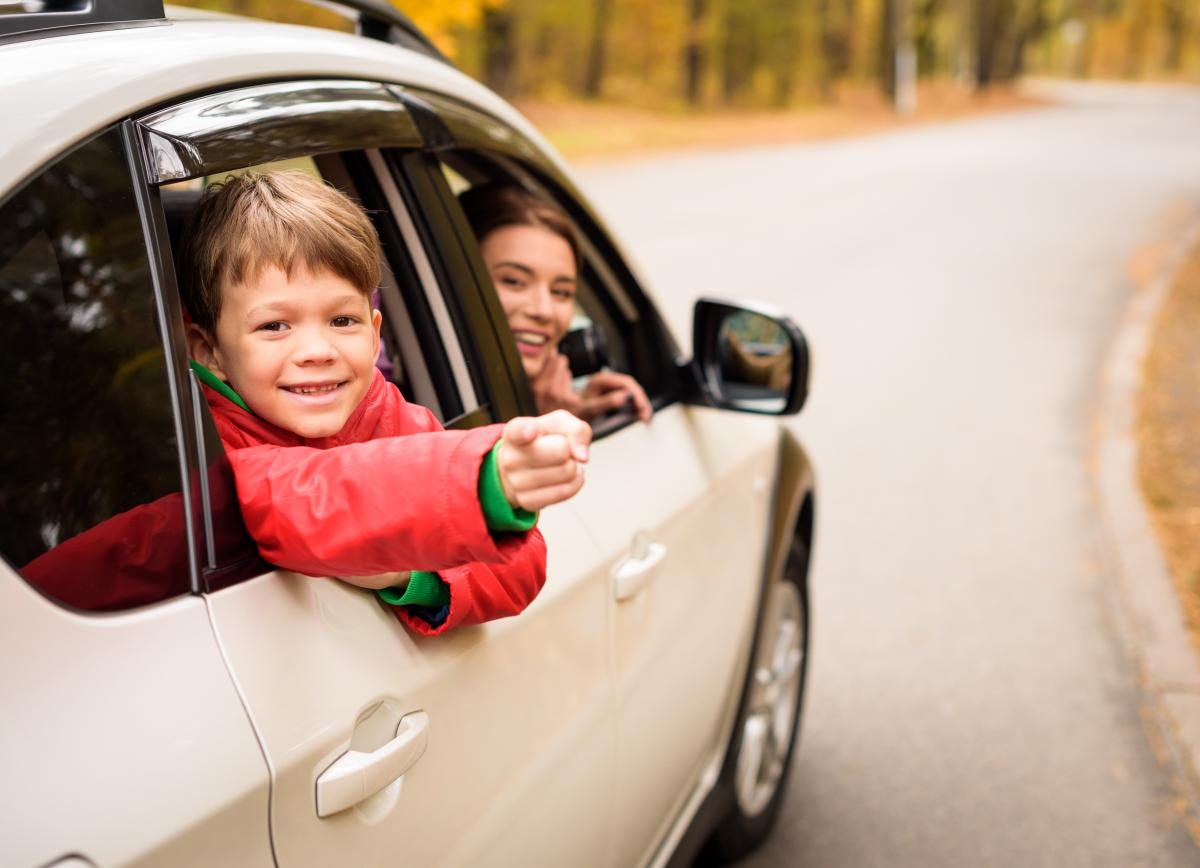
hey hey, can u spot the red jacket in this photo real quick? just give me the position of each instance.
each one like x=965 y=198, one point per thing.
x=391 y=491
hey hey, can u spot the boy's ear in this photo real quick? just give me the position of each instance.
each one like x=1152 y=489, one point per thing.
x=376 y=322
x=203 y=348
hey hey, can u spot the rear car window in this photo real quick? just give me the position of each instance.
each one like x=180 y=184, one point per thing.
x=89 y=470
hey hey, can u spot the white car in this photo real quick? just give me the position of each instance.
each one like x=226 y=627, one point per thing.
x=223 y=712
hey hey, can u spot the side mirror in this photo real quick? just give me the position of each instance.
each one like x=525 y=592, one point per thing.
x=748 y=359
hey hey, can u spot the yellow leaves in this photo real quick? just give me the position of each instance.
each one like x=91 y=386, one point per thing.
x=444 y=20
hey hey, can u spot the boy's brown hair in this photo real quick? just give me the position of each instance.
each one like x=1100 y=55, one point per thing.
x=287 y=219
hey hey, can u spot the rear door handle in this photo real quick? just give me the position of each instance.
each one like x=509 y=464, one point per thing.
x=356 y=776
x=633 y=573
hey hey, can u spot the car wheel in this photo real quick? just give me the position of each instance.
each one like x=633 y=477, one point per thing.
x=765 y=737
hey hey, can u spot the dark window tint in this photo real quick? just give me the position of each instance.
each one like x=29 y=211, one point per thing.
x=89 y=474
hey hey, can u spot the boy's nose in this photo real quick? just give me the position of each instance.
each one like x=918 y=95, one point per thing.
x=314 y=349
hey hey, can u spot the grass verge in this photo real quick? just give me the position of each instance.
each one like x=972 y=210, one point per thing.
x=1169 y=434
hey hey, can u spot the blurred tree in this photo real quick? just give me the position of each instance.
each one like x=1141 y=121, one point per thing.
x=887 y=48
x=783 y=50
x=740 y=49
x=1177 y=22
x=499 y=25
x=835 y=23
x=1138 y=32
x=694 y=54
x=593 y=82
x=776 y=52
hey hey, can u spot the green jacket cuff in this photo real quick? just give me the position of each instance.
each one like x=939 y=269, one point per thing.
x=498 y=513
x=423 y=589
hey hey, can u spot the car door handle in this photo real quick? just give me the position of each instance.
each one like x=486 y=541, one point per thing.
x=634 y=573
x=356 y=776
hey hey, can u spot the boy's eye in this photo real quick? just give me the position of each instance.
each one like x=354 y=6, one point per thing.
x=341 y=322
x=273 y=326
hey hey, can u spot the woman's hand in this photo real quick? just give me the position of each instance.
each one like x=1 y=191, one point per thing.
x=604 y=391
x=552 y=387
x=609 y=390
x=383 y=580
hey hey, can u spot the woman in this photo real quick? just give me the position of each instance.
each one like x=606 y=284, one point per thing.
x=532 y=254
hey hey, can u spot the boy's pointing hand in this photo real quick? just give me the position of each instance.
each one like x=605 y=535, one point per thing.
x=541 y=458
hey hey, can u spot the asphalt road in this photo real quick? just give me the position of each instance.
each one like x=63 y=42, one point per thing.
x=970 y=702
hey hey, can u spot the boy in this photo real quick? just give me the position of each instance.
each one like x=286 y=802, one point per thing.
x=277 y=272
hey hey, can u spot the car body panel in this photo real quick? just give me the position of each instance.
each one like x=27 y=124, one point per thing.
x=185 y=57
x=520 y=716
x=679 y=645
x=128 y=745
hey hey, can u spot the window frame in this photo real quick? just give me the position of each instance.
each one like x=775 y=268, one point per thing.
x=165 y=309
x=184 y=141
x=653 y=356
x=470 y=130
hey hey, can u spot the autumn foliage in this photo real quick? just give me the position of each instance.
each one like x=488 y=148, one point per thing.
x=768 y=53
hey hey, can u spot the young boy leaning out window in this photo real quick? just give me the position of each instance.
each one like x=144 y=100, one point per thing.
x=336 y=473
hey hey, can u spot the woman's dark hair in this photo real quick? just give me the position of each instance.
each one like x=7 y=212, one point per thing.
x=493 y=206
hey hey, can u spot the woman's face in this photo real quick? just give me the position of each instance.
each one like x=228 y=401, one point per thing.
x=534 y=272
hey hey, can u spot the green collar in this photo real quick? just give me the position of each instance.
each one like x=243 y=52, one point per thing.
x=214 y=382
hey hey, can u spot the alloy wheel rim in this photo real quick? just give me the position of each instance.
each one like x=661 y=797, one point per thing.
x=774 y=694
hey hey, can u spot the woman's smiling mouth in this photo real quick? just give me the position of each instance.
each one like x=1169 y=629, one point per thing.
x=530 y=343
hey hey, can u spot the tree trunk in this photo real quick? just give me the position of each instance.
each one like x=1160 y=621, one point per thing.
x=1139 y=31
x=1031 y=29
x=987 y=41
x=500 y=50
x=739 y=53
x=1176 y=22
x=781 y=50
x=593 y=83
x=887 y=49
x=694 y=59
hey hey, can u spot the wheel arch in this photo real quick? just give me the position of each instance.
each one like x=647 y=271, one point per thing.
x=793 y=507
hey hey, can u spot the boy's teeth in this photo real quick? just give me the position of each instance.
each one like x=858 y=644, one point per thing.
x=312 y=390
x=530 y=338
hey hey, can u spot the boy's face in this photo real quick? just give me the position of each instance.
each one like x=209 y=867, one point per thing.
x=300 y=351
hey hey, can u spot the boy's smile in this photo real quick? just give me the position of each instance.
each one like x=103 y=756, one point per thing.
x=299 y=350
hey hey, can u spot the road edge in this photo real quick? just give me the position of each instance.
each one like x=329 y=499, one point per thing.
x=1149 y=615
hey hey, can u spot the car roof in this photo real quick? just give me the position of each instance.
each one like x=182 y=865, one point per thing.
x=59 y=89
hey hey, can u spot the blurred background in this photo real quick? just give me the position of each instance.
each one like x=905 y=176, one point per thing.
x=783 y=53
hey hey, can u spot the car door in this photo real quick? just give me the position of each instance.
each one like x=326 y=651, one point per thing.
x=123 y=738
x=490 y=745
x=678 y=509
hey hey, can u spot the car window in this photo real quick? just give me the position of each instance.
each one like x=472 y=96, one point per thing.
x=418 y=346
x=90 y=511
x=609 y=325
x=413 y=345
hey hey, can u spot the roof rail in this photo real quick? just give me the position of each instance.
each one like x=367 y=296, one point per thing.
x=378 y=19
x=32 y=17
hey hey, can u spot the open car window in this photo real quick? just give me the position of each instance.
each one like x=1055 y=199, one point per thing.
x=421 y=351
x=612 y=326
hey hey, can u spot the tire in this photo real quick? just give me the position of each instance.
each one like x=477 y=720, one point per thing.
x=764 y=739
